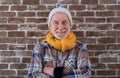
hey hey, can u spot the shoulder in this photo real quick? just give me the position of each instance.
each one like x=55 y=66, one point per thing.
x=82 y=46
x=41 y=46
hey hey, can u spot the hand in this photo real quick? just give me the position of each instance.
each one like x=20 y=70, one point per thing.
x=49 y=71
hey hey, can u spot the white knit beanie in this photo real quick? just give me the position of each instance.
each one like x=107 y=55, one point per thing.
x=60 y=10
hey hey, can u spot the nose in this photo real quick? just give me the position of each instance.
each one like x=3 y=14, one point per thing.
x=60 y=26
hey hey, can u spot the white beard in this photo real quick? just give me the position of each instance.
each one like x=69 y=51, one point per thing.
x=63 y=33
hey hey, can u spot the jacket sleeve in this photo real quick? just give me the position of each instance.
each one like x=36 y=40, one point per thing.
x=35 y=67
x=83 y=66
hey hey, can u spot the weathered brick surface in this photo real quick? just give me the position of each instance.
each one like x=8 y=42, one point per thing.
x=107 y=1
x=89 y=1
x=24 y=22
x=30 y=2
x=4 y=8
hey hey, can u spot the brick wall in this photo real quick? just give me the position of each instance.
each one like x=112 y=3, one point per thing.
x=96 y=23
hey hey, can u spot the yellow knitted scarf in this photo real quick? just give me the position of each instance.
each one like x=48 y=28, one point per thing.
x=63 y=44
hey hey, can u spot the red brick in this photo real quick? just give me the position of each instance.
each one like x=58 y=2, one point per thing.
x=118 y=72
x=116 y=26
x=26 y=40
x=42 y=27
x=16 y=34
x=113 y=7
x=77 y=7
x=89 y=2
x=3 y=34
x=113 y=47
x=19 y=76
x=28 y=27
x=9 y=60
x=91 y=53
x=36 y=20
x=105 y=13
x=77 y=26
x=19 y=8
x=42 y=14
x=7 y=53
x=3 y=66
x=99 y=66
x=85 y=13
x=113 y=66
x=36 y=34
x=4 y=8
x=79 y=33
x=106 y=40
x=107 y=1
x=101 y=53
x=18 y=66
x=87 y=40
x=8 y=72
x=22 y=72
x=96 y=7
x=30 y=47
x=95 y=20
x=8 y=27
x=7 y=14
x=37 y=7
x=49 y=7
x=3 y=20
x=26 y=14
x=7 y=40
x=85 y=27
x=3 y=47
x=104 y=26
x=26 y=60
x=48 y=1
x=78 y=20
x=106 y=72
x=94 y=60
x=93 y=73
x=95 y=33
x=10 y=2
x=16 y=20
x=118 y=40
x=108 y=60
x=70 y=1
x=113 y=20
x=113 y=33
x=96 y=47
x=30 y=2
x=24 y=53
x=17 y=47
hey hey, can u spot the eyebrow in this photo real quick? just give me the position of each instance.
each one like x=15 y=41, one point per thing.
x=58 y=20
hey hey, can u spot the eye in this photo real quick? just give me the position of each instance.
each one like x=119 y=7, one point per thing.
x=55 y=23
x=65 y=22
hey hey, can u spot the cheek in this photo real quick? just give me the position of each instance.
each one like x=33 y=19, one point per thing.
x=67 y=27
x=53 y=28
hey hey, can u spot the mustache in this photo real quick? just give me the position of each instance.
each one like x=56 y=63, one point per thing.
x=61 y=31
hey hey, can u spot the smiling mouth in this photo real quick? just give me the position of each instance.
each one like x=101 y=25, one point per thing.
x=61 y=33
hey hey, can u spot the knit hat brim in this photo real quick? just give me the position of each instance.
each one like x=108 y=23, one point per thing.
x=59 y=10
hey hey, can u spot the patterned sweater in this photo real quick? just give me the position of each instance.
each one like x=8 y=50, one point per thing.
x=76 y=60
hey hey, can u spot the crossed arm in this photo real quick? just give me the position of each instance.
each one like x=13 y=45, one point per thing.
x=37 y=70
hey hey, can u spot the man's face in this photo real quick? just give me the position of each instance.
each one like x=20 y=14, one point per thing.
x=60 y=26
